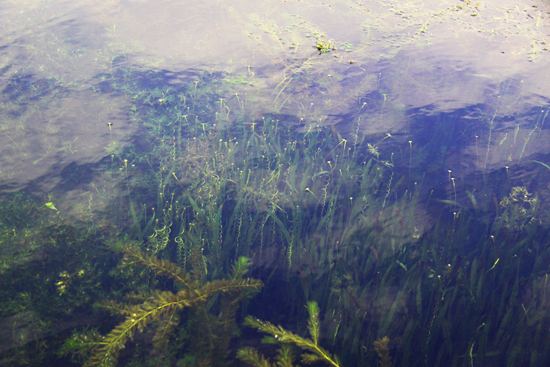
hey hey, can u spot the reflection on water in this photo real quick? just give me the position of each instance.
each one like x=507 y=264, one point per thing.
x=367 y=180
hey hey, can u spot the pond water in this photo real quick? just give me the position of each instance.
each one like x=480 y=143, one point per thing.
x=379 y=171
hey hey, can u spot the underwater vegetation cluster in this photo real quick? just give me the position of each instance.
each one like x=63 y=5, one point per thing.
x=286 y=211
x=164 y=308
x=392 y=272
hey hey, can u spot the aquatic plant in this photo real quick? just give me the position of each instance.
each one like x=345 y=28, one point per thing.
x=315 y=352
x=163 y=308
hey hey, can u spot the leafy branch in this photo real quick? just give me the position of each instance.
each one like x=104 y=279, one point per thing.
x=317 y=353
x=160 y=306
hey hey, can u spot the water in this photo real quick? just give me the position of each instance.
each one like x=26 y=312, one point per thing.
x=387 y=162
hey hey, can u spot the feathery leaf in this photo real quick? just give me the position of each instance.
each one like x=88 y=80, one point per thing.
x=285 y=356
x=252 y=356
x=163 y=267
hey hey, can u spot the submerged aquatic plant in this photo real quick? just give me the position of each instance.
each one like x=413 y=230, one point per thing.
x=315 y=353
x=163 y=308
x=381 y=348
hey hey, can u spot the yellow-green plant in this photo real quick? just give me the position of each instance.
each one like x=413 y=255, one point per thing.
x=519 y=209
x=381 y=348
x=162 y=307
x=285 y=358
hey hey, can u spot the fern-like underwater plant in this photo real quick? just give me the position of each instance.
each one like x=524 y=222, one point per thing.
x=163 y=307
x=284 y=357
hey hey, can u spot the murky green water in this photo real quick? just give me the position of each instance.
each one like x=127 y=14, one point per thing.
x=357 y=183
